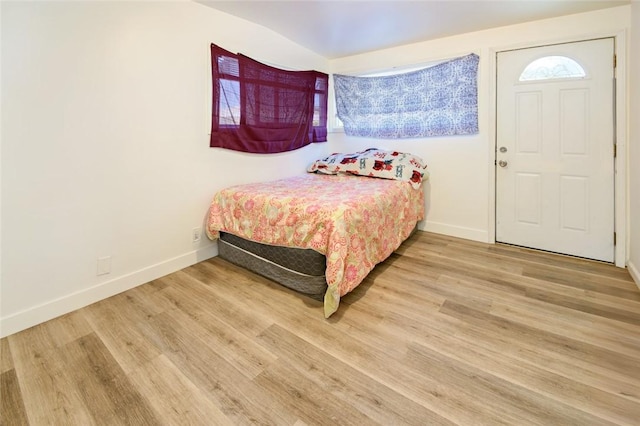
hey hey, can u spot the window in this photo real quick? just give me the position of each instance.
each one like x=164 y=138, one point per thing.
x=262 y=109
x=229 y=102
x=394 y=71
x=552 y=67
x=436 y=101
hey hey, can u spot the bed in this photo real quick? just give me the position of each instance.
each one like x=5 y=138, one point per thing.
x=321 y=233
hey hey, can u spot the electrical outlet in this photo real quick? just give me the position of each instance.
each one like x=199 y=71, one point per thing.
x=196 y=234
x=104 y=265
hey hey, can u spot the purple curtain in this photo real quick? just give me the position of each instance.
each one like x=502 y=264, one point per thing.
x=261 y=109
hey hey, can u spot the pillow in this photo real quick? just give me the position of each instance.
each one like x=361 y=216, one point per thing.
x=375 y=162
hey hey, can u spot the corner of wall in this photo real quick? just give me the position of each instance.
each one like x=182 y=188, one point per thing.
x=633 y=261
x=634 y=272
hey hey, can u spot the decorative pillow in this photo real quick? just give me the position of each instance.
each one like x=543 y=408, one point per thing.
x=375 y=162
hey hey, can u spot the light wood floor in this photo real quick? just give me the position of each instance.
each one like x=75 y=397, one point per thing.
x=446 y=331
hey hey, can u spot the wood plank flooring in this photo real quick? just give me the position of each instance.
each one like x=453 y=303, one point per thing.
x=445 y=331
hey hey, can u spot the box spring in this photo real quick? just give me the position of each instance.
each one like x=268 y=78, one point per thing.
x=302 y=270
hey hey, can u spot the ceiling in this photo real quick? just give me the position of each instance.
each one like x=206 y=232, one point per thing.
x=336 y=29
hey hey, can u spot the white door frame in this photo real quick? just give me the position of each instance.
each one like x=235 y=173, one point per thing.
x=620 y=123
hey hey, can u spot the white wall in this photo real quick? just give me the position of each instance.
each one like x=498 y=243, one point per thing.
x=460 y=196
x=634 y=146
x=105 y=122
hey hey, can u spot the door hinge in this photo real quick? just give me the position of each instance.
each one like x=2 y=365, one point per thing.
x=615 y=150
x=614 y=238
x=615 y=61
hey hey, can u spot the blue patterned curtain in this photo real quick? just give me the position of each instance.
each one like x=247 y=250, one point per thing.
x=440 y=100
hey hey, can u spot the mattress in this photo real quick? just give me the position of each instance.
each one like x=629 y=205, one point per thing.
x=302 y=270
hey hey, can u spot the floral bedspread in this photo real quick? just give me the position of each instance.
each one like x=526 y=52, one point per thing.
x=356 y=222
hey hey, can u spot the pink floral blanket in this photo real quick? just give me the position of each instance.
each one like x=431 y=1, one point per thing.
x=356 y=222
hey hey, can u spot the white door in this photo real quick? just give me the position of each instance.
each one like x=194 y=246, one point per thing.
x=555 y=148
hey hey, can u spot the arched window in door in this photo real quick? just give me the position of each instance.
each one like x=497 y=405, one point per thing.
x=552 y=67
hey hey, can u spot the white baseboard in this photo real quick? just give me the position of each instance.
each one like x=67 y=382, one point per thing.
x=456 y=231
x=38 y=314
x=634 y=272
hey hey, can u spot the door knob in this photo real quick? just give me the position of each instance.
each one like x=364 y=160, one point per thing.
x=502 y=163
x=503 y=149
